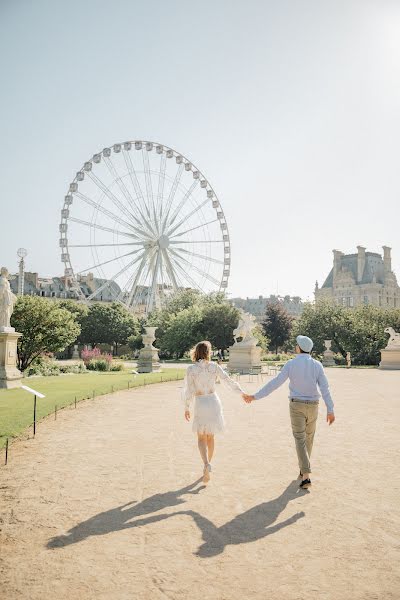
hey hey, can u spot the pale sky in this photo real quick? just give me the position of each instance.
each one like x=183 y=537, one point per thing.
x=291 y=109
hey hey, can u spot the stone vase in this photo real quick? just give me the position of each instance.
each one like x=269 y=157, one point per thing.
x=328 y=359
x=148 y=361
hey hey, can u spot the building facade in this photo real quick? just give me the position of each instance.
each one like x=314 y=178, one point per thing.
x=58 y=287
x=362 y=278
x=258 y=306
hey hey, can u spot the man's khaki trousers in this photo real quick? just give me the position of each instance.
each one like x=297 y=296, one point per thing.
x=303 y=416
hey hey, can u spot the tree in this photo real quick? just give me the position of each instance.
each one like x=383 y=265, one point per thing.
x=184 y=331
x=324 y=321
x=45 y=327
x=108 y=324
x=359 y=330
x=277 y=325
x=217 y=324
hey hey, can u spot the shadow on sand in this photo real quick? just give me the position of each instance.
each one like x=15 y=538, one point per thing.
x=250 y=526
x=121 y=517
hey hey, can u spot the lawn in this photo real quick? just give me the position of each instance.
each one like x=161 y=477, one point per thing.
x=16 y=406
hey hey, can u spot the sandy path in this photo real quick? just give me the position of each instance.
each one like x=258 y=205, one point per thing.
x=100 y=504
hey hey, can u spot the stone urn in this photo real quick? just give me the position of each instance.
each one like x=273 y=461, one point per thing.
x=148 y=361
x=328 y=359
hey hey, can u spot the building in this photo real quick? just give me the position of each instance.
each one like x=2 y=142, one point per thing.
x=362 y=278
x=258 y=306
x=58 y=287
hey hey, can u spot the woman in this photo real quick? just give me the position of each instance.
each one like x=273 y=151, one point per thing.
x=208 y=418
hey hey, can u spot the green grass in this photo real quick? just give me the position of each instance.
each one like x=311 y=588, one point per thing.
x=16 y=406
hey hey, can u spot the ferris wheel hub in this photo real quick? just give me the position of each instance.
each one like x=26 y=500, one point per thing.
x=163 y=242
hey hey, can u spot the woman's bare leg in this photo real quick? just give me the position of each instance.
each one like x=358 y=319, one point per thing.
x=210 y=446
x=202 y=444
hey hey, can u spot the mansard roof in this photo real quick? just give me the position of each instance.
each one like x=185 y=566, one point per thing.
x=373 y=267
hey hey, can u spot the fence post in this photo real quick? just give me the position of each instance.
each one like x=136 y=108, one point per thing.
x=93 y=395
x=6 y=452
x=128 y=384
x=75 y=401
x=112 y=389
x=34 y=416
x=55 y=412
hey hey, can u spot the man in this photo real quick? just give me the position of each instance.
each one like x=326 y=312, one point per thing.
x=305 y=375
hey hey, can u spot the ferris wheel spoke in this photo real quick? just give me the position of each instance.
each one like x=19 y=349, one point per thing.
x=105 y=211
x=137 y=277
x=172 y=193
x=196 y=241
x=108 y=261
x=102 y=227
x=169 y=269
x=142 y=207
x=187 y=217
x=193 y=228
x=151 y=296
x=195 y=254
x=124 y=190
x=104 y=245
x=161 y=184
x=202 y=273
x=149 y=188
x=112 y=279
x=182 y=202
x=96 y=180
x=186 y=275
x=116 y=202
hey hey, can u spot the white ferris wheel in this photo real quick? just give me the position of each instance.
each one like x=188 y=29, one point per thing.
x=143 y=222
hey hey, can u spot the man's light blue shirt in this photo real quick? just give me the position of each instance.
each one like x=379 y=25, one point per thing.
x=305 y=376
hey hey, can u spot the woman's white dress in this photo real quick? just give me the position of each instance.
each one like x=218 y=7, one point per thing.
x=199 y=384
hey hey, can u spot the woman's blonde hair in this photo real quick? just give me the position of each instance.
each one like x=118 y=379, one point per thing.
x=201 y=351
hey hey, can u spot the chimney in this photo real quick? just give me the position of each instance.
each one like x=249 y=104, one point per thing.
x=387 y=259
x=360 y=263
x=337 y=255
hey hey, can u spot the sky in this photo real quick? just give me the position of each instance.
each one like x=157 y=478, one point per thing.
x=291 y=109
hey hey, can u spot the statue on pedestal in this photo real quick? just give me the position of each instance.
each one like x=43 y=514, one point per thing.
x=10 y=376
x=245 y=356
x=244 y=330
x=390 y=356
x=7 y=302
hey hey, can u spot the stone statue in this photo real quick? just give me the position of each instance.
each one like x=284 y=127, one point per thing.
x=394 y=340
x=244 y=329
x=7 y=301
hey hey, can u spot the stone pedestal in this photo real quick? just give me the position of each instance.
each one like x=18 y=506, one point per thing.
x=328 y=358
x=75 y=353
x=390 y=359
x=10 y=376
x=148 y=361
x=244 y=358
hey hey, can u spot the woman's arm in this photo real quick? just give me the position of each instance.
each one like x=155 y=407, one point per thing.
x=228 y=380
x=188 y=389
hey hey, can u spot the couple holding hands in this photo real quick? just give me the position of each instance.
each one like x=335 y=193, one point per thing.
x=307 y=382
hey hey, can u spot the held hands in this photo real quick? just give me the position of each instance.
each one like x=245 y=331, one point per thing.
x=330 y=418
x=247 y=398
x=187 y=415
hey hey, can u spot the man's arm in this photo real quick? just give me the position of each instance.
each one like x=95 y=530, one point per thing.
x=324 y=388
x=272 y=385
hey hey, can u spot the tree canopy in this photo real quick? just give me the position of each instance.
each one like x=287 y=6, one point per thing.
x=45 y=327
x=108 y=324
x=358 y=330
x=277 y=325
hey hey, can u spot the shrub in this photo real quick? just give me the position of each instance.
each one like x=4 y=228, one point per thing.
x=117 y=367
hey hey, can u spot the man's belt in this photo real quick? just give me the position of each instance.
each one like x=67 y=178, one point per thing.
x=304 y=401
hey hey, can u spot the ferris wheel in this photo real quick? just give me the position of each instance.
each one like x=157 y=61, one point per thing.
x=140 y=222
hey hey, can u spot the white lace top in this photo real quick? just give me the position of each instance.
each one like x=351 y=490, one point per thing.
x=200 y=380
